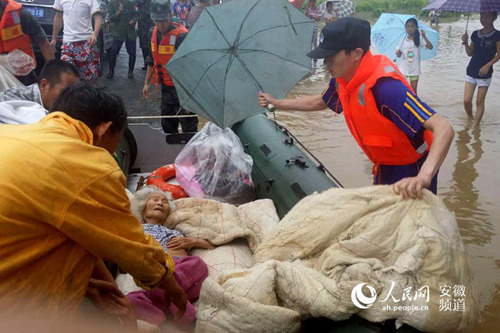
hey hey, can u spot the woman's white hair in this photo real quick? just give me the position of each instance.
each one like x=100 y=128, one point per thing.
x=138 y=203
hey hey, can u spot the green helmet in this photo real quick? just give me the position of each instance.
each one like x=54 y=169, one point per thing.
x=160 y=10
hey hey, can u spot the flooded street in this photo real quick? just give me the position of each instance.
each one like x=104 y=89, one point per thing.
x=468 y=182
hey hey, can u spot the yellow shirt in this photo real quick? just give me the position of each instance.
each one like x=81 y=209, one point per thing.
x=62 y=206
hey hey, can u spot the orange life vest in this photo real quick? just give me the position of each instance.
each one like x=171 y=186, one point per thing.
x=163 y=52
x=11 y=34
x=381 y=140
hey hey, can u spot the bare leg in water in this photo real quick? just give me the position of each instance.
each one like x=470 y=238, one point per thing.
x=414 y=85
x=481 y=97
x=468 y=94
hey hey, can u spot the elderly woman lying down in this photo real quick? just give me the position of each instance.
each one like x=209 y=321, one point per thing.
x=152 y=206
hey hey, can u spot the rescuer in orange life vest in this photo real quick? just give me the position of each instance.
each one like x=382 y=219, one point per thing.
x=18 y=28
x=166 y=37
x=390 y=123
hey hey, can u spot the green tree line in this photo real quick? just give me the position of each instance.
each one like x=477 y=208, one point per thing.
x=377 y=7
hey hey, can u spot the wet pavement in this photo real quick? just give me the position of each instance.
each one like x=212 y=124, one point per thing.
x=131 y=89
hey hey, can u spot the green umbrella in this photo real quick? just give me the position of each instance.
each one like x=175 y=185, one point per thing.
x=236 y=50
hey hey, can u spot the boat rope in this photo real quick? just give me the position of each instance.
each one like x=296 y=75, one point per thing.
x=289 y=134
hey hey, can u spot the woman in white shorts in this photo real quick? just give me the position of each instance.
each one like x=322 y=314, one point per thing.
x=478 y=82
x=485 y=52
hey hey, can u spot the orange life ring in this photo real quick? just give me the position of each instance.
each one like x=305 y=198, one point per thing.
x=158 y=178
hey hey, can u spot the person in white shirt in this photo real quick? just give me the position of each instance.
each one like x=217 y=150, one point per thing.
x=79 y=39
x=409 y=52
x=329 y=15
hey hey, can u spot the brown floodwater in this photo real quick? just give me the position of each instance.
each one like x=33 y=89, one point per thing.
x=468 y=181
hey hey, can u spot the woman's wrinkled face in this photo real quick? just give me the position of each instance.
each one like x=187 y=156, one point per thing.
x=157 y=208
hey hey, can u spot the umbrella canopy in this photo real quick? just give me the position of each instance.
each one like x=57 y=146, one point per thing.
x=237 y=49
x=471 y=6
x=435 y=5
x=343 y=8
x=297 y=3
x=389 y=31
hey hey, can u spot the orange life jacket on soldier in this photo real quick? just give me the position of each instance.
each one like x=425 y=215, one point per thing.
x=381 y=140
x=163 y=52
x=11 y=34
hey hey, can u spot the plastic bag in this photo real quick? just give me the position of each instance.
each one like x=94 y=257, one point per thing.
x=17 y=62
x=7 y=80
x=213 y=165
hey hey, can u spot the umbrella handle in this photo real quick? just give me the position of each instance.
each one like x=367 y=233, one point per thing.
x=403 y=40
x=270 y=107
x=466 y=28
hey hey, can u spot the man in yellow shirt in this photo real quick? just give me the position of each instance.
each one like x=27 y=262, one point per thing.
x=63 y=208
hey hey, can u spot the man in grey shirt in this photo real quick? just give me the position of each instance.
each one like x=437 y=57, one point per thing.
x=54 y=77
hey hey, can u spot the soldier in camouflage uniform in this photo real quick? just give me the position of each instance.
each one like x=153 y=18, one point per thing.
x=144 y=24
x=122 y=15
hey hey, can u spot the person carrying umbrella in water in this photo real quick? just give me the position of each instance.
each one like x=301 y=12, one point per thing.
x=166 y=37
x=484 y=49
x=409 y=50
x=389 y=122
x=329 y=15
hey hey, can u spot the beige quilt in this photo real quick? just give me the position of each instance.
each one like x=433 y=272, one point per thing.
x=408 y=253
